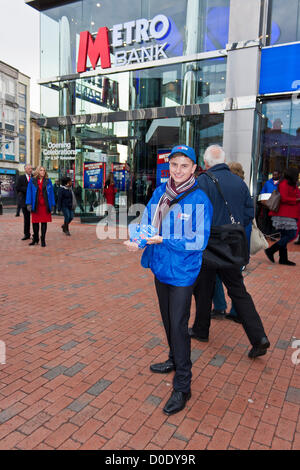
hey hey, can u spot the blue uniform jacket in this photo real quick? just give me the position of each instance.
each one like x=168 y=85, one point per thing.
x=185 y=231
x=32 y=194
x=269 y=187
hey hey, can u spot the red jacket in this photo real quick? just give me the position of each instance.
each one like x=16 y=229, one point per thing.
x=109 y=194
x=288 y=204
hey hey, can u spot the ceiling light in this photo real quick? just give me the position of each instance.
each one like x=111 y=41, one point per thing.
x=98 y=5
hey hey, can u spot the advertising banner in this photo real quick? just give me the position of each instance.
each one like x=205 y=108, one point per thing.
x=162 y=169
x=93 y=175
x=121 y=176
x=7 y=183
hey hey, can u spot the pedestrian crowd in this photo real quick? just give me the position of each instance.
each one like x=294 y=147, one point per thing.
x=198 y=231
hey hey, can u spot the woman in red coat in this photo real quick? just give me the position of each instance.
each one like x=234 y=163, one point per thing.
x=110 y=192
x=285 y=220
x=40 y=197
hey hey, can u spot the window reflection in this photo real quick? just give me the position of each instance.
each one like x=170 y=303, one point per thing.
x=280 y=138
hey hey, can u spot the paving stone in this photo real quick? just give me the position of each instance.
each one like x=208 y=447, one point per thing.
x=152 y=343
x=195 y=354
x=217 y=360
x=54 y=372
x=91 y=314
x=99 y=387
x=154 y=400
x=282 y=344
x=293 y=395
x=69 y=345
x=74 y=369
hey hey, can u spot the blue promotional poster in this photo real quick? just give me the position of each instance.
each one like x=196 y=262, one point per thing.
x=121 y=176
x=93 y=175
x=162 y=169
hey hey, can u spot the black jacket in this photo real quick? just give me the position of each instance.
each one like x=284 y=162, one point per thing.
x=235 y=192
x=64 y=199
x=21 y=189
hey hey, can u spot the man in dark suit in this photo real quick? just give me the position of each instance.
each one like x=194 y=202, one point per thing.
x=21 y=188
x=241 y=206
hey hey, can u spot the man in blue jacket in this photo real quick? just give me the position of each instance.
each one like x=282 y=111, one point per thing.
x=240 y=204
x=175 y=257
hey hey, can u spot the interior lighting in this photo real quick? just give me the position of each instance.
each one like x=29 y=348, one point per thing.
x=92 y=23
x=98 y=5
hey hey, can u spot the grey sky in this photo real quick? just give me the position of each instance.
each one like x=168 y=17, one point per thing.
x=19 y=42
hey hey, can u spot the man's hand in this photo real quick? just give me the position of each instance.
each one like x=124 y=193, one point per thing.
x=155 y=240
x=131 y=246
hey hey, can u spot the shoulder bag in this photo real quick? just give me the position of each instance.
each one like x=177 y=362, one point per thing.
x=227 y=245
x=273 y=202
x=257 y=240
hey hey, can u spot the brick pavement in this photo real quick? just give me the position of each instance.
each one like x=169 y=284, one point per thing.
x=81 y=326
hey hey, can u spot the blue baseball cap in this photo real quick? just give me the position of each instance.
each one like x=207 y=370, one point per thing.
x=185 y=150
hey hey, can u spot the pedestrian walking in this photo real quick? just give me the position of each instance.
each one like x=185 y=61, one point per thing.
x=21 y=189
x=66 y=202
x=240 y=203
x=78 y=195
x=285 y=220
x=55 y=190
x=110 y=191
x=263 y=218
x=219 y=301
x=175 y=256
x=40 y=201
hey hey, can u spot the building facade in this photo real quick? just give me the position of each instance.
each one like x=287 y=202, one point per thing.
x=14 y=127
x=122 y=82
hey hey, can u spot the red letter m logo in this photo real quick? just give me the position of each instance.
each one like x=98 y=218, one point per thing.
x=93 y=49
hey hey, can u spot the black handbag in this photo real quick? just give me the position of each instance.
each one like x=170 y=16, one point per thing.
x=227 y=245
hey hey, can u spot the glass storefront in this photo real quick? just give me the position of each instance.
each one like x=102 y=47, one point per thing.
x=284 y=21
x=280 y=139
x=109 y=127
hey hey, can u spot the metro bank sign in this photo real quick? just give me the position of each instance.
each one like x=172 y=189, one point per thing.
x=138 y=31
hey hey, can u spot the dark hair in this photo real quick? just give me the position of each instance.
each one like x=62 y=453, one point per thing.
x=291 y=175
x=65 y=180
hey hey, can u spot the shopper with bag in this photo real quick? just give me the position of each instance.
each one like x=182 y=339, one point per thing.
x=285 y=219
x=232 y=205
x=182 y=214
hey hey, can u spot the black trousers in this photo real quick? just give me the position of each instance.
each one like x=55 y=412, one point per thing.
x=26 y=215
x=233 y=280
x=175 y=305
x=36 y=231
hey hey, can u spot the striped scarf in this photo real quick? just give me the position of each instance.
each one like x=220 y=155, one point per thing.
x=171 y=193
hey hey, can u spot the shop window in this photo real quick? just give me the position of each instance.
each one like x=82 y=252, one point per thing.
x=284 y=23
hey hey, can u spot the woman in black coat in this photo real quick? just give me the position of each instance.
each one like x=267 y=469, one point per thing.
x=66 y=203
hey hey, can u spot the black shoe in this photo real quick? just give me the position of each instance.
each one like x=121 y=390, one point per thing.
x=34 y=242
x=283 y=257
x=297 y=242
x=26 y=237
x=17 y=215
x=217 y=314
x=204 y=339
x=260 y=349
x=43 y=243
x=163 y=367
x=176 y=402
x=271 y=250
x=233 y=318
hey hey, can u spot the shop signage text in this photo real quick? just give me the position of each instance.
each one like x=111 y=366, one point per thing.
x=61 y=151
x=139 y=31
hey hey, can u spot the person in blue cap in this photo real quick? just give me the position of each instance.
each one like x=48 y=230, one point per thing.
x=182 y=214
